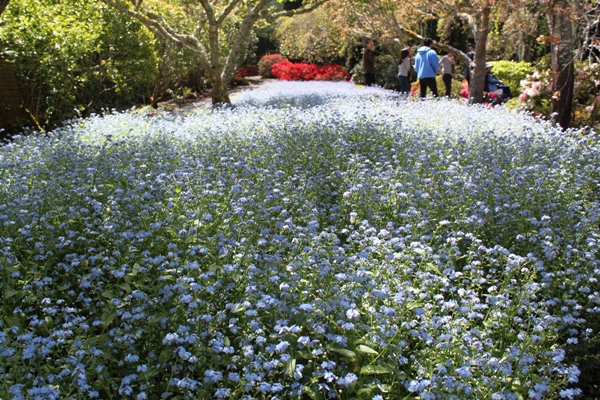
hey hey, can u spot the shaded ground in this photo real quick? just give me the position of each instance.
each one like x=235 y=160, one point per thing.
x=204 y=98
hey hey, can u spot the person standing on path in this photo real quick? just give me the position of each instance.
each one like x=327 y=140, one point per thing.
x=427 y=64
x=448 y=65
x=404 y=70
x=369 y=63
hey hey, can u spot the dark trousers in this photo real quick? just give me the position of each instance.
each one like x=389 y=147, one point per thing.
x=430 y=83
x=369 y=79
x=447 y=78
x=404 y=84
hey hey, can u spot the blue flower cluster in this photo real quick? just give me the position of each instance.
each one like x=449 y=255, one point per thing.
x=316 y=240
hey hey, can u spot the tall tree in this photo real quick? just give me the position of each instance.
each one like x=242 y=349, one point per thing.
x=3 y=4
x=399 y=19
x=212 y=15
x=560 y=14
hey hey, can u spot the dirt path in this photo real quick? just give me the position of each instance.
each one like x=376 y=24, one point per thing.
x=204 y=98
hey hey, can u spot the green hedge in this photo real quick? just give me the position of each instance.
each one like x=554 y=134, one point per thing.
x=511 y=73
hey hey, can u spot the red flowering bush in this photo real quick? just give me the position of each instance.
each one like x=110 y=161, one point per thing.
x=289 y=71
x=333 y=72
x=266 y=63
x=249 y=70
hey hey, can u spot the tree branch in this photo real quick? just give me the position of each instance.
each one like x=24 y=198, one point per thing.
x=230 y=7
x=162 y=28
x=303 y=10
x=210 y=12
x=241 y=36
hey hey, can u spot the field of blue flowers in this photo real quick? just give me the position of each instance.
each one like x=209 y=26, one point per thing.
x=317 y=240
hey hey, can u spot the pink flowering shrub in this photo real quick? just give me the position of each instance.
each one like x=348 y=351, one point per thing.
x=537 y=91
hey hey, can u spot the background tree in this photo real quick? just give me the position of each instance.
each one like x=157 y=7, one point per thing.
x=204 y=38
x=403 y=19
x=3 y=4
x=559 y=17
x=312 y=37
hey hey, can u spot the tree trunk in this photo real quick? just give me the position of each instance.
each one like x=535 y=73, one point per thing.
x=3 y=4
x=219 y=93
x=476 y=87
x=562 y=45
x=219 y=73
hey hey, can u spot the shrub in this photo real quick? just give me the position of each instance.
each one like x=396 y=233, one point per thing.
x=249 y=70
x=537 y=90
x=289 y=71
x=386 y=72
x=511 y=73
x=333 y=72
x=356 y=74
x=266 y=63
x=76 y=58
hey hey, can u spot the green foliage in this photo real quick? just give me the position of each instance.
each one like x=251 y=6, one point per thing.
x=586 y=99
x=511 y=73
x=357 y=74
x=75 y=58
x=310 y=37
x=386 y=73
x=537 y=92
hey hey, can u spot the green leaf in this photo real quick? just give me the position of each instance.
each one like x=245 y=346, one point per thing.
x=374 y=370
x=108 y=317
x=109 y=294
x=126 y=288
x=311 y=393
x=10 y=293
x=238 y=308
x=366 y=349
x=165 y=355
x=157 y=317
x=12 y=320
x=305 y=354
x=290 y=367
x=345 y=352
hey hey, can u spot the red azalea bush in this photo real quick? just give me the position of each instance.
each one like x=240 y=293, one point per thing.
x=266 y=63
x=289 y=71
x=248 y=70
x=333 y=72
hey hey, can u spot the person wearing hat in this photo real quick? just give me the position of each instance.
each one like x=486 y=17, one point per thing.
x=495 y=85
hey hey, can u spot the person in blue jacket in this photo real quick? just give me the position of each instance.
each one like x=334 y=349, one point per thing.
x=427 y=64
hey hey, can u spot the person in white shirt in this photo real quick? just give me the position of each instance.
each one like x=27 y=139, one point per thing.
x=404 y=70
x=447 y=63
